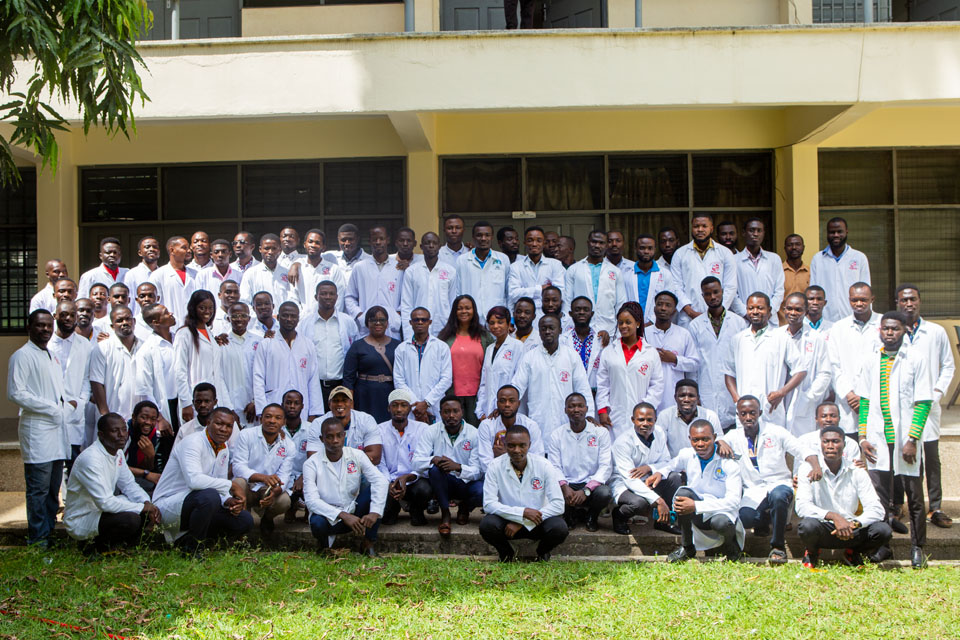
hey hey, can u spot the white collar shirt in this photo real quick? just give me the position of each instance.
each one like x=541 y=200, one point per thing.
x=332 y=339
x=772 y=444
x=677 y=431
x=35 y=384
x=464 y=449
x=760 y=362
x=135 y=277
x=492 y=429
x=506 y=495
x=689 y=269
x=713 y=353
x=433 y=289
x=346 y=266
x=193 y=426
x=172 y=292
x=427 y=378
x=43 y=299
x=98 y=275
x=243 y=268
x=449 y=255
x=802 y=402
x=279 y=367
x=398 y=450
x=630 y=452
x=837 y=276
x=485 y=281
x=156 y=380
x=546 y=380
x=527 y=278
x=845 y=493
x=114 y=366
x=236 y=359
x=211 y=279
x=331 y=488
x=849 y=345
x=311 y=276
x=362 y=432
x=621 y=384
x=810 y=442
x=287 y=259
x=583 y=457
x=719 y=484
x=610 y=295
x=253 y=454
x=273 y=281
x=766 y=277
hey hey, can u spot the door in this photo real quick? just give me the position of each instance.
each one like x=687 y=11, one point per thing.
x=576 y=226
x=925 y=10
x=574 y=14
x=472 y=15
x=198 y=19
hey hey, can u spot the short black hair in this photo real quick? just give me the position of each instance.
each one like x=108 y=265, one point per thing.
x=837 y=219
x=894 y=315
x=502 y=231
x=104 y=421
x=905 y=286
x=205 y=386
x=710 y=280
x=269 y=236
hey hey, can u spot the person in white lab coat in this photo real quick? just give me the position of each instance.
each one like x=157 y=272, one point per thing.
x=584 y=339
x=615 y=256
x=73 y=353
x=828 y=415
x=676 y=419
x=236 y=363
x=35 y=385
x=262 y=458
x=117 y=295
x=401 y=435
x=287 y=361
x=679 y=356
x=635 y=454
x=204 y=402
x=667 y=244
x=332 y=490
x=448 y=455
x=104 y=504
x=500 y=361
x=156 y=377
x=816 y=303
x=522 y=498
x=149 y=251
x=296 y=431
x=809 y=344
x=699 y=259
x=405 y=240
x=595 y=278
x=531 y=273
x=422 y=365
x=376 y=282
x=200 y=251
x=430 y=283
x=850 y=341
x=313 y=268
x=713 y=332
x=896 y=393
x=760 y=358
x=43 y=299
x=145 y=296
x=548 y=374
x=758 y=270
x=646 y=278
x=837 y=268
x=630 y=372
x=492 y=430
x=227 y=296
x=197 y=501
x=350 y=253
x=581 y=453
x=707 y=506
x=220 y=271
x=176 y=281
x=453 y=246
x=243 y=245
x=761 y=446
x=551 y=301
x=483 y=273
x=930 y=339
x=108 y=272
x=196 y=353
x=842 y=509
x=113 y=368
x=289 y=241
x=269 y=275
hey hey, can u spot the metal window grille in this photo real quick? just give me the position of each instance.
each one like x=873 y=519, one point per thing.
x=833 y=11
x=18 y=252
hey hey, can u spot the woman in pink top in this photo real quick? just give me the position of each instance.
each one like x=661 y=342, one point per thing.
x=468 y=341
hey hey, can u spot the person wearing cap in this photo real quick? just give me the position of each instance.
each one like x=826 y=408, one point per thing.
x=360 y=428
x=841 y=510
x=423 y=367
x=400 y=435
x=679 y=356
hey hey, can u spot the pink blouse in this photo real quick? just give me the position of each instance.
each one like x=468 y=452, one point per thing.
x=466 y=355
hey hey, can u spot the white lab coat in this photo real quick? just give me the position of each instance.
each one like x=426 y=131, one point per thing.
x=849 y=493
x=363 y=432
x=677 y=340
x=767 y=277
x=621 y=385
x=35 y=384
x=371 y=286
x=236 y=361
x=629 y=452
x=581 y=457
x=719 y=486
x=135 y=277
x=497 y=371
x=848 y=346
x=823 y=327
x=273 y=281
x=610 y=296
x=346 y=266
x=434 y=290
x=527 y=279
x=253 y=454
x=465 y=450
x=397 y=457
x=493 y=428
x=330 y=488
x=74 y=357
x=241 y=269
x=487 y=285
x=43 y=299
x=546 y=380
x=689 y=270
x=448 y=255
x=99 y=275
x=279 y=367
x=836 y=278
x=156 y=377
x=714 y=352
x=660 y=280
x=115 y=367
x=803 y=401
x=593 y=358
x=772 y=444
x=193 y=466
x=931 y=340
x=91 y=491
x=310 y=328
x=193 y=365
x=173 y=293
x=287 y=259
x=211 y=279
x=193 y=426
x=677 y=432
x=427 y=379
x=298 y=450
x=760 y=363
x=507 y=496
x=910 y=382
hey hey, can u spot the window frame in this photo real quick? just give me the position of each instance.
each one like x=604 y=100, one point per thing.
x=28 y=177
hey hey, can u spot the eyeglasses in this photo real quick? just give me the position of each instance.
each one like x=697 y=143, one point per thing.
x=378 y=321
x=419 y=320
x=239 y=316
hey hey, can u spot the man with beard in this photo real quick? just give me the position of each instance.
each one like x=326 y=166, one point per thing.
x=73 y=353
x=551 y=245
x=595 y=278
x=667 y=243
x=219 y=269
x=796 y=275
x=200 y=250
x=262 y=459
x=287 y=361
x=289 y=241
x=838 y=267
x=310 y=270
x=727 y=235
x=492 y=430
x=400 y=435
x=509 y=242
x=360 y=427
x=532 y=273
x=615 y=254
x=676 y=420
x=204 y=403
x=85 y=315
x=698 y=259
x=647 y=279
x=524 y=312
x=243 y=246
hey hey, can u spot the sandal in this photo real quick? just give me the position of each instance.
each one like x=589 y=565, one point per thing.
x=444 y=529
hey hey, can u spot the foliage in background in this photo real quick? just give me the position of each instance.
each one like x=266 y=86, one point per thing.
x=76 y=52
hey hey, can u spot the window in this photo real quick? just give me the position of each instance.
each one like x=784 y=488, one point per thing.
x=223 y=198
x=18 y=251
x=902 y=208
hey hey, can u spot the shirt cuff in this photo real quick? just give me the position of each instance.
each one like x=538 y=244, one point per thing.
x=603 y=410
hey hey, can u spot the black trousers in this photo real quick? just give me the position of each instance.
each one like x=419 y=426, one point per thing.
x=551 y=532
x=883 y=482
x=204 y=518
x=817 y=534
x=931 y=472
x=719 y=523
x=418 y=495
x=596 y=502
x=630 y=504
x=526 y=13
x=116 y=529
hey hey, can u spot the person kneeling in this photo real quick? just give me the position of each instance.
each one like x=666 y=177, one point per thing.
x=197 y=501
x=263 y=459
x=522 y=499
x=828 y=507
x=707 y=507
x=331 y=489
x=94 y=509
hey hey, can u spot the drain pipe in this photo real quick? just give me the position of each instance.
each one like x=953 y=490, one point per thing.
x=638 y=13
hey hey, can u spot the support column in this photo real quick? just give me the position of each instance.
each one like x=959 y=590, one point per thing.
x=798 y=208
x=423 y=192
x=57 y=232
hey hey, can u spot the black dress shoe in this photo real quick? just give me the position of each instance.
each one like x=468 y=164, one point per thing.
x=433 y=506
x=417 y=519
x=592 y=524
x=571 y=522
x=543 y=557
x=666 y=527
x=389 y=519
x=897 y=526
x=620 y=523
x=681 y=554
x=762 y=531
x=917 y=559
x=881 y=554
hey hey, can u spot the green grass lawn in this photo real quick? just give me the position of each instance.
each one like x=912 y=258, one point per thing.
x=262 y=596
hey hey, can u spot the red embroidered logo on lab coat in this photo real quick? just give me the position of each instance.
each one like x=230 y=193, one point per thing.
x=592 y=441
x=255 y=345
x=303 y=363
x=715 y=268
x=853 y=265
x=351 y=467
x=283 y=278
x=809 y=347
x=643 y=369
x=391 y=286
x=443 y=275
x=326 y=271
x=536 y=484
x=467 y=445
x=767 y=443
x=282 y=452
x=303 y=446
x=508 y=355
x=564 y=376
x=611 y=275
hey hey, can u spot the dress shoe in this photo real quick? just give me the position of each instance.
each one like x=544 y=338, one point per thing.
x=682 y=554
x=881 y=554
x=433 y=506
x=810 y=559
x=417 y=519
x=571 y=522
x=940 y=519
x=666 y=527
x=543 y=557
x=592 y=524
x=389 y=519
x=620 y=523
x=267 y=526
x=917 y=559
x=897 y=526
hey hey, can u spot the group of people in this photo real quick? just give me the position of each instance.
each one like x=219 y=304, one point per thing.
x=352 y=386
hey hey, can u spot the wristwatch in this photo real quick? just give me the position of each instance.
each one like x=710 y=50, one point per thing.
x=586 y=492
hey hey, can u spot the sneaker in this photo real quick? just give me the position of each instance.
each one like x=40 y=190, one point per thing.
x=810 y=558
x=852 y=558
